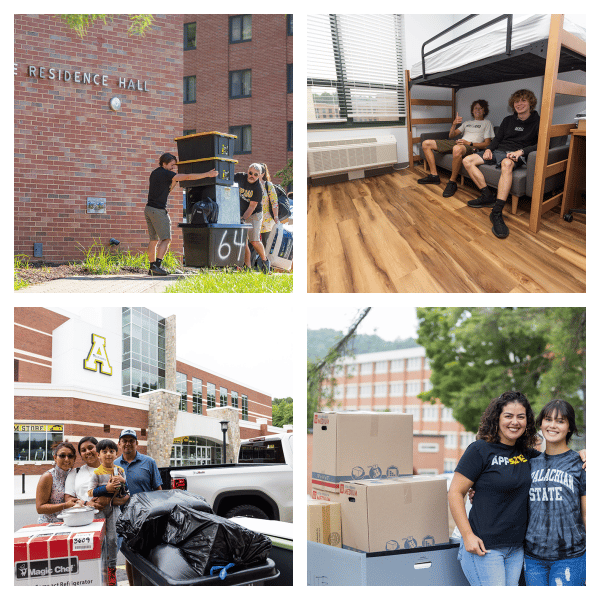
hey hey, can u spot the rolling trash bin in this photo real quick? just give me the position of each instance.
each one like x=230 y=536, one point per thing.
x=214 y=244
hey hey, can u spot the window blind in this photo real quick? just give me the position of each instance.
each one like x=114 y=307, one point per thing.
x=355 y=68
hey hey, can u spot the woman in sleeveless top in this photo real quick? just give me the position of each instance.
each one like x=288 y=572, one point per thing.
x=50 y=493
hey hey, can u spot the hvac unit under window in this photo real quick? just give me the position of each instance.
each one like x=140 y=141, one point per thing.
x=339 y=156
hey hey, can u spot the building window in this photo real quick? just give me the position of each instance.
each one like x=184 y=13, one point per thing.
x=447 y=416
x=365 y=390
x=223 y=396
x=413 y=388
x=351 y=370
x=290 y=24
x=380 y=390
x=234 y=399
x=189 y=89
x=430 y=413
x=451 y=440
x=188 y=131
x=466 y=439
x=240 y=83
x=415 y=411
x=34 y=442
x=290 y=136
x=240 y=29
x=143 y=364
x=338 y=392
x=414 y=364
x=210 y=395
x=196 y=396
x=360 y=86
x=351 y=390
x=381 y=366
x=366 y=368
x=449 y=465
x=396 y=389
x=181 y=387
x=244 y=407
x=397 y=365
x=290 y=78
x=189 y=36
x=243 y=143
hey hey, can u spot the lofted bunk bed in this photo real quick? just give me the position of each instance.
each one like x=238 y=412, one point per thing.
x=505 y=49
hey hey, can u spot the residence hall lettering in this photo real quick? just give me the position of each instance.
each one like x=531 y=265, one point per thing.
x=85 y=78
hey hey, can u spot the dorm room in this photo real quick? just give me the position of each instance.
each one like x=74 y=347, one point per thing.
x=386 y=233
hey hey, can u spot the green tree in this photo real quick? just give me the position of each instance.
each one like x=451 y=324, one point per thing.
x=477 y=353
x=286 y=174
x=81 y=23
x=283 y=411
x=320 y=378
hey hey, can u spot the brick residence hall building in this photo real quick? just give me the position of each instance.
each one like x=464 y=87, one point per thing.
x=117 y=369
x=392 y=380
x=92 y=116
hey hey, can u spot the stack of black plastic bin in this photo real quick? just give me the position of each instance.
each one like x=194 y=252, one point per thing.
x=219 y=244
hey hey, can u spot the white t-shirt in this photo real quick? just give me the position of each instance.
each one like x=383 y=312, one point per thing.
x=476 y=131
x=78 y=483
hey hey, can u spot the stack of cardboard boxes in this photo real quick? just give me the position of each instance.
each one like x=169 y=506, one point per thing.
x=363 y=484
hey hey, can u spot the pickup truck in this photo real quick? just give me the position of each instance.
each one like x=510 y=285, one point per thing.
x=259 y=485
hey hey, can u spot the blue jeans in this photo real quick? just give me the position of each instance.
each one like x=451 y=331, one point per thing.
x=500 y=566
x=569 y=571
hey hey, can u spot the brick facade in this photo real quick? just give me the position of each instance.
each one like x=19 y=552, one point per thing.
x=69 y=144
x=270 y=107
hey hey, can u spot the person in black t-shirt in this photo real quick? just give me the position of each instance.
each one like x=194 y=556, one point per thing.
x=252 y=196
x=162 y=181
x=491 y=551
x=516 y=138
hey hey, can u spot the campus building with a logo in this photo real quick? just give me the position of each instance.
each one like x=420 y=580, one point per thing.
x=118 y=368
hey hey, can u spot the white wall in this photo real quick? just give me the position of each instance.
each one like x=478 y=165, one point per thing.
x=419 y=28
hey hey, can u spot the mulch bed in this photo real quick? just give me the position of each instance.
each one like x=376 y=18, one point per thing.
x=42 y=272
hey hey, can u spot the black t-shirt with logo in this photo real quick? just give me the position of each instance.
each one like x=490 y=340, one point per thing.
x=502 y=477
x=249 y=192
x=160 y=186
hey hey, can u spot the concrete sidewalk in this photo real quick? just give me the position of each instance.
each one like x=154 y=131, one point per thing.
x=86 y=284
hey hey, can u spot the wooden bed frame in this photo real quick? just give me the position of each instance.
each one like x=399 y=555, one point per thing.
x=564 y=51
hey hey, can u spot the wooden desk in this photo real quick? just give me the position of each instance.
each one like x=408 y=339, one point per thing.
x=575 y=176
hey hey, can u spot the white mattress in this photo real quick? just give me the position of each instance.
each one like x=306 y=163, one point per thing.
x=526 y=29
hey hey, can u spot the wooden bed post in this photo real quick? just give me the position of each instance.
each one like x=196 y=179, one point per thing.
x=546 y=112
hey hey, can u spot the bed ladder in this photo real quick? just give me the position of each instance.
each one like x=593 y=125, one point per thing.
x=412 y=158
x=557 y=38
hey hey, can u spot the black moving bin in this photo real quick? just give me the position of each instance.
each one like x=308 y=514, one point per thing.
x=225 y=167
x=201 y=145
x=214 y=245
x=146 y=573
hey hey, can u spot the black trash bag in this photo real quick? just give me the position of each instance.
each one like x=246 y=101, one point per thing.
x=205 y=211
x=172 y=561
x=143 y=520
x=209 y=540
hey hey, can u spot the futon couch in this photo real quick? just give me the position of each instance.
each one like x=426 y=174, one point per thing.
x=522 y=184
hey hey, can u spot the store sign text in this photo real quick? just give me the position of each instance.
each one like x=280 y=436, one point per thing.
x=83 y=77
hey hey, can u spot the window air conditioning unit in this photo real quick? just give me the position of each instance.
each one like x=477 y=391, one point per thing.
x=339 y=156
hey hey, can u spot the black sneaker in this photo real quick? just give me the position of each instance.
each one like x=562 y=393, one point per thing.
x=483 y=200
x=450 y=190
x=156 y=271
x=266 y=266
x=499 y=228
x=429 y=179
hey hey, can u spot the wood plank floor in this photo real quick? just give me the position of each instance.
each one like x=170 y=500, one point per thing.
x=390 y=234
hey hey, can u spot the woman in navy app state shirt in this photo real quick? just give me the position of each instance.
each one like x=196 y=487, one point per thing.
x=491 y=551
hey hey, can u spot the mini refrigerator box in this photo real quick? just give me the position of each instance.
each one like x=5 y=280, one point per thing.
x=324 y=522
x=54 y=554
x=394 y=514
x=225 y=168
x=201 y=145
x=360 y=445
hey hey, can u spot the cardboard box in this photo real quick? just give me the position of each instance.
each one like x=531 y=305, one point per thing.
x=395 y=513
x=324 y=523
x=360 y=445
x=54 y=554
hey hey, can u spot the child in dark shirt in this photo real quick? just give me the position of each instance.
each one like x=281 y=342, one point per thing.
x=109 y=480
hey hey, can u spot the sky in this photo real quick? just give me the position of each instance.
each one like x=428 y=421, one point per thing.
x=389 y=323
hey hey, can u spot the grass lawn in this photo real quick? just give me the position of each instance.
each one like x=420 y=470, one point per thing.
x=210 y=281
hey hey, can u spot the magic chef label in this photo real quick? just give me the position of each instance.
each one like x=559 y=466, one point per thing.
x=47 y=568
x=83 y=541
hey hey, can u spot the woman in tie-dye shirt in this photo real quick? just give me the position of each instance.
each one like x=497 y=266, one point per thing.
x=271 y=203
